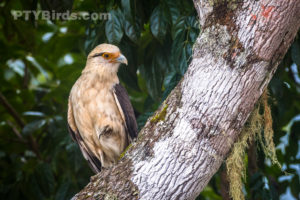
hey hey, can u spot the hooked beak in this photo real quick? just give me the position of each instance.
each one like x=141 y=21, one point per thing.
x=121 y=59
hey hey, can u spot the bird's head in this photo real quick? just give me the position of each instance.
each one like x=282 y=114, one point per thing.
x=106 y=57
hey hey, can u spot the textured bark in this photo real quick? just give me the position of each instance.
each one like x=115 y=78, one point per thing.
x=184 y=144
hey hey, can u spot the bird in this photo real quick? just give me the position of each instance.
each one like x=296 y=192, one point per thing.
x=101 y=119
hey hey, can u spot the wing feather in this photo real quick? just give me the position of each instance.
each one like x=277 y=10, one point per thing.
x=126 y=110
x=93 y=161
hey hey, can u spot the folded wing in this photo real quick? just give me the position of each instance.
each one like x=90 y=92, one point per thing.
x=93 y=161
x=126 y=110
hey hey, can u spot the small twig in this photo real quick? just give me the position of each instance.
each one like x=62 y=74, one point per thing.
x=34 y=146
x=16 y=131
x=13 y=140
x=224 y=190
x=32 y=142
x=11 y=110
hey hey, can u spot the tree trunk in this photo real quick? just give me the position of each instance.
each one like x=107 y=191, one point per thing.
x=184 y=144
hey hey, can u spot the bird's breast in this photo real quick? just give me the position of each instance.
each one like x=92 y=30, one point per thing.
x=95 y=106
x=99 y=102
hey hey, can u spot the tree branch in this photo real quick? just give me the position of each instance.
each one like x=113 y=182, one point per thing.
x=31 y=141
x=16 y=131
x=11 y=110
x=234 y=58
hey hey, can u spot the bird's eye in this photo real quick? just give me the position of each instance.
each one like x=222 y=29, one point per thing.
x=106 y=55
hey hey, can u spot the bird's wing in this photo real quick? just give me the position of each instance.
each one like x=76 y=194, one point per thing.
x=126 y=110
x=93 y=161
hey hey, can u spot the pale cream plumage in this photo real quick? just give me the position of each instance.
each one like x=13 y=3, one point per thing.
x=96 y=116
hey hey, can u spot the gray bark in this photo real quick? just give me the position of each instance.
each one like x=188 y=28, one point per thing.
x=183 y=146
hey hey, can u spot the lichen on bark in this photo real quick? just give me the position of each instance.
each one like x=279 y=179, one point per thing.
x=258 y=127
x=161 y=115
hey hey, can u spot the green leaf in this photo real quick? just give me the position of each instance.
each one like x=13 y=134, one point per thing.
x=141 y=120
x=57 y=5
x=178 y=28
x=210 y=194
x=183 y=62
x=159 y=23
x=295 y=51
x=126 y=8
x=45 y=178
x=94 y=36
x=127 y=74
x=33 y=61
x=114 y=27
x=153 y=71
x=173 y=10
x=31 y=189
x=33 y=126
x=295 y=185
x=2 y=154
x=132 y=27
x=184 y=34
x=131 y=31
x=171 y=80
x=127 y=77
x=34 y=113
x=62 y=190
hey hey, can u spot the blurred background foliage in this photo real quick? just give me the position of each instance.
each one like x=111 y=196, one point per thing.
x=41 y=59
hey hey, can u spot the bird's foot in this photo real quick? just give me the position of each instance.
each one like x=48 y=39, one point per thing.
x=104 y=131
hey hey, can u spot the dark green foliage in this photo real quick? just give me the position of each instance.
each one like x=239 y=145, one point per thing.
x=40 y=61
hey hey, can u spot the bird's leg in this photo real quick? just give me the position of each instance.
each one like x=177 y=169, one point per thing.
x=104 y=131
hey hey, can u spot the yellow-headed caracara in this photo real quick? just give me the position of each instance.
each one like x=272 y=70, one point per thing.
x=100 y=116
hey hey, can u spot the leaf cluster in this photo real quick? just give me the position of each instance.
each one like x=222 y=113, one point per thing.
x=41 y=59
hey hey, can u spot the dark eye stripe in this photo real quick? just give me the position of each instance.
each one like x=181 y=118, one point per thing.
x=97 y=54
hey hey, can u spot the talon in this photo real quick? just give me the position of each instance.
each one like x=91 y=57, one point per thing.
x=104 y=130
